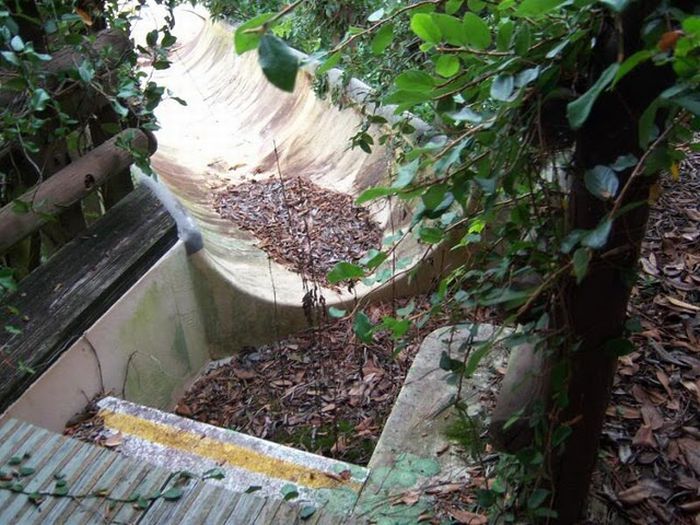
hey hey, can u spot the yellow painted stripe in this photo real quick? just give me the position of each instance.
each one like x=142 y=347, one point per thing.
x=234 y=455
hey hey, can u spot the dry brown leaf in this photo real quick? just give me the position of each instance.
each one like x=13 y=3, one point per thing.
x=241 y=373
x=663 y=379
x=84 y=16
x=114 y=440
x=644 y=437
x=409 y=498
x=646 y=488
x=682 y=304
x=652 y=417
x=691 y=451
x=668 y=40
x=468 y=518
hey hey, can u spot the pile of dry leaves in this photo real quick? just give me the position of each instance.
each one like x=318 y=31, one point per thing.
x=650 y=471
x=321 y=390
x=299 y=224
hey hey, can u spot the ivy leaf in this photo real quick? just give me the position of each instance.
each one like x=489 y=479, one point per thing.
x=172 y=494
x=289 y=491
x=578 y=110
x=26 y=471
x=344 y=271
x=215 y=473
x=306 y=512
x=16 y=43
x=362 y=327
x=39 y=99
x=536 y=8
x=278 y=62
x=597 y=238
x=430 y=235
x=502 y=87
x=11 y=57
x=624 y=162
x=602 y=182
x=336 y=313
x=422 y=24
x=406 y=174
x=466 y=115
x=382 y=39
x=245 y=41
x=476 y=31
x=581 y=258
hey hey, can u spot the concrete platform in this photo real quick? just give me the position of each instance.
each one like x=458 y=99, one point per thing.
x=248 y=463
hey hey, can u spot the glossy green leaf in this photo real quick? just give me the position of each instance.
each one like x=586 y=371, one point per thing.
x=278 y=62
x=40 y=99
x=336 y=313
x=382 y=39
x=536 y=8
x=247 y=37
x=423 y=25
x=577 y=111
x=602 y=182
x=581 y=258
x=502 y=87
x=406 y=174
x=599 y=236
x=173 y=493
x=450 y=28
x=289 y=492
x=362 y=327
x=447 y=66
x=329 y=63
x=476 y=31
x=415 y=80
x=344 y=271
x=373 y=193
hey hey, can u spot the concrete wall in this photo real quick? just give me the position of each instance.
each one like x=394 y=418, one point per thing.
x=146 y=348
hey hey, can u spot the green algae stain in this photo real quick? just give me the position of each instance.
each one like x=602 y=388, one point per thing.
x=180 y=349
x=380 y=501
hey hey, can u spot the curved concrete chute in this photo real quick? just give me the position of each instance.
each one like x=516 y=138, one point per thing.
x=235 y=128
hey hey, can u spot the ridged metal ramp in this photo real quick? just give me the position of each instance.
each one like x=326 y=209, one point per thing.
x=48 y=478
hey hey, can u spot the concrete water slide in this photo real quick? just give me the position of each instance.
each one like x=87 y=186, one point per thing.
x=191 y=308
x=226 y=134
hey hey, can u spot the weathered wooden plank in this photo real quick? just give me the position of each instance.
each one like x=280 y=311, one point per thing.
x=223 y=507
x=246 y=511
x=67 y=294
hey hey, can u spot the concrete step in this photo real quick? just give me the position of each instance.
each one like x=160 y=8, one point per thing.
x=248 y=464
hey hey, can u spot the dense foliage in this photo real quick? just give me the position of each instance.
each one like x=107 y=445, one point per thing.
x=68 y=80
x=551 y=120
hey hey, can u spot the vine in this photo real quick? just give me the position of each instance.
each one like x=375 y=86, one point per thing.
x=551 y=121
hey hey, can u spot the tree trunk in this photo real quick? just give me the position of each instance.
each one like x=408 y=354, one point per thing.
x=594 y=311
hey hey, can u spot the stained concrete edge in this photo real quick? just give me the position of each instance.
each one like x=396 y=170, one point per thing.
x=424 y=408
x=246 y=462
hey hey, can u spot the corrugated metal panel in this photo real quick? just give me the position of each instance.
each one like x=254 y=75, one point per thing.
x=88 y=469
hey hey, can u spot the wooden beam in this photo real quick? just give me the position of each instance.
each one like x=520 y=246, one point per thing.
x=66 y=295
x=69 y=185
